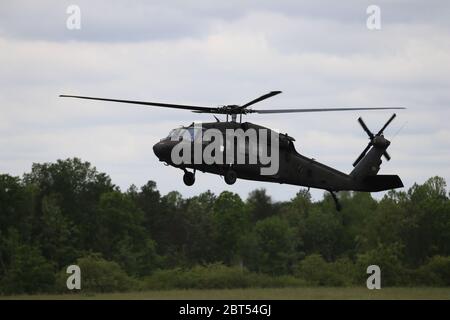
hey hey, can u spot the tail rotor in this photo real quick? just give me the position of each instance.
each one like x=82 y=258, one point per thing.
x=375 y=140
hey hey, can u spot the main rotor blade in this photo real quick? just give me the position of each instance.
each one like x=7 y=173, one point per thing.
x=263 y=97
x=386 y=124
x=146 y=103
x=320 y=110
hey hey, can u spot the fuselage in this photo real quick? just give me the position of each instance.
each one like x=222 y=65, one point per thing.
x=293 y=167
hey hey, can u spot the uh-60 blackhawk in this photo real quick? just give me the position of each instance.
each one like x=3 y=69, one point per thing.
x=292 y=167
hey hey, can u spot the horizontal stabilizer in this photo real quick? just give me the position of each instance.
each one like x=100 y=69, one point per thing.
x=383 y=182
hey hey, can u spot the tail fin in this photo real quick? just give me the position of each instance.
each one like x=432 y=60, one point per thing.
x=369 y=165
x=365 y=174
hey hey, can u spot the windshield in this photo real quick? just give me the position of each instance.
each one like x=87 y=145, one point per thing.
x=189 y=134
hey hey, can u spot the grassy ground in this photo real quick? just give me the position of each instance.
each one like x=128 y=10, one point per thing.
x=283 y=294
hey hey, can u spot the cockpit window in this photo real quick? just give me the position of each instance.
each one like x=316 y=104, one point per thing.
x=174 y=134
x=189 y=134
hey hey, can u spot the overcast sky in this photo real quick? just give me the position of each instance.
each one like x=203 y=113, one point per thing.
x=319 y=53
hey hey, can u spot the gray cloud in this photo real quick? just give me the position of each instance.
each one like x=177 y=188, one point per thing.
x=211 y=54
x=129 y=21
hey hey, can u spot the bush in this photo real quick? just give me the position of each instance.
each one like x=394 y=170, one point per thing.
x=316 y=271
x=99 y=275
x=215 y=276
x=345 y=272
x=29 y=273
x=435 y=273
x=387 y=257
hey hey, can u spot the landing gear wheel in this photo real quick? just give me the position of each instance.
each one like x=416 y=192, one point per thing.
x=188 y=178
x=230 y=176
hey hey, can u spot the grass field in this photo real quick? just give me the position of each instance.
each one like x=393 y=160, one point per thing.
x=283 y=294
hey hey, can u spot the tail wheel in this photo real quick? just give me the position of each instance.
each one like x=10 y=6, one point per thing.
x=230 y=176
x=188 y=178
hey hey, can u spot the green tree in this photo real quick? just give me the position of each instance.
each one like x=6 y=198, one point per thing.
x=322 y=233
x=79 y=185
x=16 y=206
x=148 y=199
x=198 y=246
x=276 y=246
x=65 y=210
x=121 y=235
x=418 y=220
x=231 y=222
x=29 y=272
x=260 y=205
x=171 y=229
x=428 y=227
x=56 y=233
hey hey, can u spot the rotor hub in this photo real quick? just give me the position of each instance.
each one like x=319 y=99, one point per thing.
x=380 y=142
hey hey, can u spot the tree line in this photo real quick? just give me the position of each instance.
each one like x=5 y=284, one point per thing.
x=67 y=212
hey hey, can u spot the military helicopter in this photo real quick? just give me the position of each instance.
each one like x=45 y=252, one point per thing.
x=293 y=168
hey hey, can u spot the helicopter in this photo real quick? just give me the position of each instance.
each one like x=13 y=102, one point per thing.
x=293 y=168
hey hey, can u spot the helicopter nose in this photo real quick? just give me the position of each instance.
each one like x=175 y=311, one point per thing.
x=161 y=151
